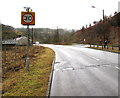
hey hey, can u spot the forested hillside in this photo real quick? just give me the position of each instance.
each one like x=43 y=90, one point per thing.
x=47 y=35
x=8 y=32
x=43 y=35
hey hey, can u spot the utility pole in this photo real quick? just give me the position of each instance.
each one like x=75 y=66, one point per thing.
x=57 y=35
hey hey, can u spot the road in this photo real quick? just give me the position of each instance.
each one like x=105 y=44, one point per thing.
x=80 y=71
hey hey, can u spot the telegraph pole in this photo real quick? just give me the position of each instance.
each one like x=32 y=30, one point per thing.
x=57 y=34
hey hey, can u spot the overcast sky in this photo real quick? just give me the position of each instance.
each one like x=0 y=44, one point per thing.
x=70 y=14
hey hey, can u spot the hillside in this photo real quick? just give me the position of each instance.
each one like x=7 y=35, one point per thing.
x=109 y=29
x=47 y=35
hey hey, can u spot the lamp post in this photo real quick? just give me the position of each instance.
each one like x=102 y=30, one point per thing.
x=103 y=14
x=103 y=30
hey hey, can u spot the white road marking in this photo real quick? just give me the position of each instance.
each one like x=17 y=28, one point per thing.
x=117 y=68
x=93 y=57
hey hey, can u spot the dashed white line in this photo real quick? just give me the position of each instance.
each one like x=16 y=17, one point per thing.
x=93 y=57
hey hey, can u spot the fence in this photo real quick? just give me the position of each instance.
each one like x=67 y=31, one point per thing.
x=14 y=57
x=111 y=47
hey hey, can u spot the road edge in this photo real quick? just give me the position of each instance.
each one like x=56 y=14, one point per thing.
x=50 y=79
x=103 y=50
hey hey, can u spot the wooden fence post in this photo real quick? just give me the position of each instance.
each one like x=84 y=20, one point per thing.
x=20 y=55
x=107 y=47
x=102 y=46
x=112 y=47
x=4 y=54
x=97 y=46
x=15 y=48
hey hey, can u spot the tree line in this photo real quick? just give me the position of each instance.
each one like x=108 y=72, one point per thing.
x=107 y=29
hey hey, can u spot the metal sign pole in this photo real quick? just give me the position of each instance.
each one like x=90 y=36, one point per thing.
x=27 y=57
x=27 y=50
x=28 y=18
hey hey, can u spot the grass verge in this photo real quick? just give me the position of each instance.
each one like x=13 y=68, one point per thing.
x=104 y=49
x=33 y=82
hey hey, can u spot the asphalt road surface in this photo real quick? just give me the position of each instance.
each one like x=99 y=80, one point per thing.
x=80 y=71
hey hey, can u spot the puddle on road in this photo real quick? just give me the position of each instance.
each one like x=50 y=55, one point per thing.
x=83 y=67
x=57 y=62
x=65 y=69
x=98 y=65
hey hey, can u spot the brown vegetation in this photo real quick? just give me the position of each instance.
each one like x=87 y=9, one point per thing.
x=109 y=30
x=14 y=57
x=19 y=82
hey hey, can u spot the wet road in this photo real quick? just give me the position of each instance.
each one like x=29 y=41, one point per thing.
x=80 y=71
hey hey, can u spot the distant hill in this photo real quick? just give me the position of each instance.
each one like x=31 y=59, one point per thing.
x=8 y=32
x=43 y=35
x=47 y=35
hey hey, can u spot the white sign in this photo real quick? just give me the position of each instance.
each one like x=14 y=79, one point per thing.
x=27 y=18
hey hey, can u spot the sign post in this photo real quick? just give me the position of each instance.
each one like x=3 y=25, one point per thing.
x=27 y=18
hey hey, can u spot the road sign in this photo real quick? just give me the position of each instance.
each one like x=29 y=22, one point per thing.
x=28 y=18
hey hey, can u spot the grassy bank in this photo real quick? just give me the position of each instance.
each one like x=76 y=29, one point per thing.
x=33 y=82
x=105 y=49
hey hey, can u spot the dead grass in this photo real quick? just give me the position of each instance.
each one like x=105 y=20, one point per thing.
x=65 y=43
x=105 y=49
x=33 y=82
